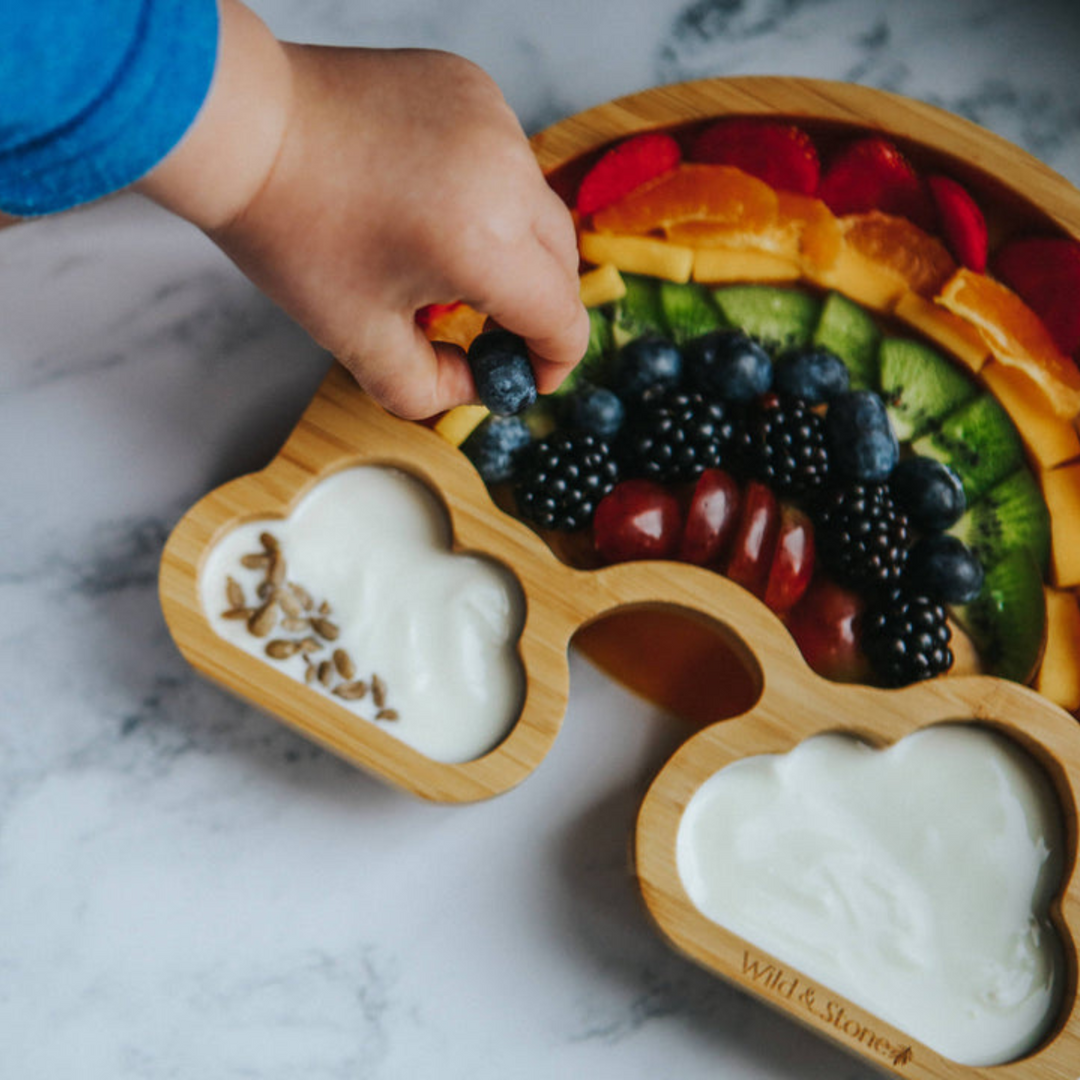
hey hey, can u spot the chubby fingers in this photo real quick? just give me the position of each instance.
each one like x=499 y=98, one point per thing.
x=533 y=290
x=410 y=376
x=527 y=284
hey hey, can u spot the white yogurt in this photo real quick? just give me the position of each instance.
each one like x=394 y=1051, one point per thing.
x=914 y=881
x=440 y=630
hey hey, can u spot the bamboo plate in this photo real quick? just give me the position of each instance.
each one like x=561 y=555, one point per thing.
x=787 y=702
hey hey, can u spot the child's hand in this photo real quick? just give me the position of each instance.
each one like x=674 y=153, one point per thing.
x=388 y=180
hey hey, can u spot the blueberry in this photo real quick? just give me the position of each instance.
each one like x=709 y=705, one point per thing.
x=729 y=364
x=862 y=443
x=815 y=375
x=929 y=491
x=496 y=447
x=943 y=568
x=647 y=361
x=503 y=374
x=596 y=409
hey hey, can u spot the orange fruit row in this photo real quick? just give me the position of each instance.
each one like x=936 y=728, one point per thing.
x=719 y=207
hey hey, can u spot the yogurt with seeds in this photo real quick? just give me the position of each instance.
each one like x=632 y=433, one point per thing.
x=358 y=594
x=915 y=881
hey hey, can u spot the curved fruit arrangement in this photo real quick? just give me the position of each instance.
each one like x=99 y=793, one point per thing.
x=812 y=370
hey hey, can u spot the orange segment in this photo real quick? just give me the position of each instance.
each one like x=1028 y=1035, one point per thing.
x=921 y=260
x=820 y=237
x=1015 y=335
x=791 y=206
x=716 y=193
x=457 y=324
x=779 y=238
x=804 y=230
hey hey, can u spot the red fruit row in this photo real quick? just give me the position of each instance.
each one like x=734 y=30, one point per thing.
x=625 y=167
x=782 y=155
x=1045 y=273
x=869 y=173
x=745 y=533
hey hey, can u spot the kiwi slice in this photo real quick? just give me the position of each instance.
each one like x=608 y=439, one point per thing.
x=919 y=386
x=600 y=338
x=1007 y=620
x=597 y=359
x=978 y=442
x=849 y=331
x=780 y=317
x=689 y=310
x=639 y=312
x=1011 y=515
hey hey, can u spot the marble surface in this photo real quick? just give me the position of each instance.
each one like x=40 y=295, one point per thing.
x=186 y=888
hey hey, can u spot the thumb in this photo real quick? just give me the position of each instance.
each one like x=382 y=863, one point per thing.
x=533 y=290
x=408 y=375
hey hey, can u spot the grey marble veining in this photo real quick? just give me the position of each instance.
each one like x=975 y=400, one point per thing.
x=187 y=889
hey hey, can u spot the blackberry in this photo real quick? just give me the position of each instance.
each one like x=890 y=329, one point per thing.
x=862 y=536
x=906 y=638
x=563 y=478
x=675 y=435
x=781 y=441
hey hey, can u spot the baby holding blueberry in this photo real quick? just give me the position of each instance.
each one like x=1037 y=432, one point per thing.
x=354 y=186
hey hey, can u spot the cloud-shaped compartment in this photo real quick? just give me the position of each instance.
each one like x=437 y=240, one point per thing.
x=913 y=880
x=373 y=608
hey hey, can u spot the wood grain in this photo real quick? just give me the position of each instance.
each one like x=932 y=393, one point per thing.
x=782 y=702
x=791 y=710
x=1019 y=192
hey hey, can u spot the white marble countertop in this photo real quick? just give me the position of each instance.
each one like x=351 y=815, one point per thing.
x=186 y=888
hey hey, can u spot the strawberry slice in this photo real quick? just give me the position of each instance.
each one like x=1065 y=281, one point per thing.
x=961 y=222
x=430 y=313
x=1044 y=271
x=872 y=174
x=782 y=155
x=625 y=167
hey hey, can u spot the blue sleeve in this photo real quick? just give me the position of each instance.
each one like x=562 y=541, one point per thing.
x=94 y=93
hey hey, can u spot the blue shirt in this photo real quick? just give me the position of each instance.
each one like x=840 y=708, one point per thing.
x=94 y=93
